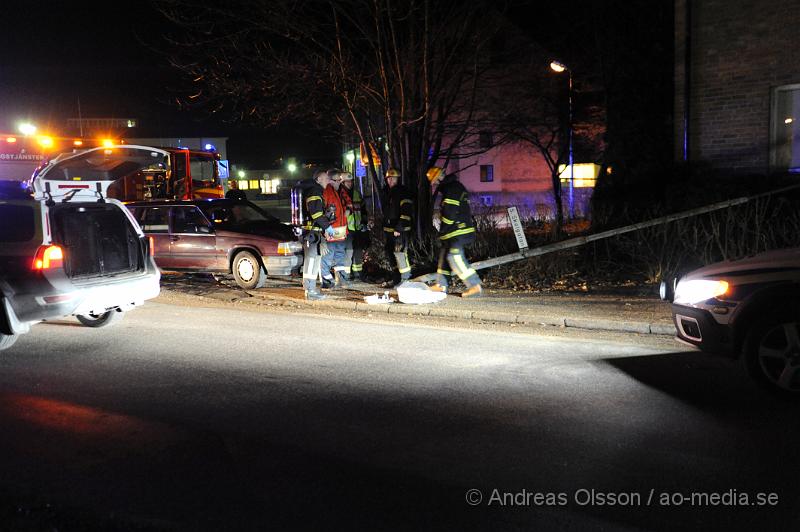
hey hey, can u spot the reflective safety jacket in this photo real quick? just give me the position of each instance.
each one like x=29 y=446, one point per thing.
x=335 y=212
x=455 y=212
x=399 y=210
x=352 y=199
x=313 y=206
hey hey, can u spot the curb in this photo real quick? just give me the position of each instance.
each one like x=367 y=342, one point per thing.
x=637 y=327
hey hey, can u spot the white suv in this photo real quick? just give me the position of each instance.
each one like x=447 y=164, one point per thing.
x=748 y=308
x=66 y=249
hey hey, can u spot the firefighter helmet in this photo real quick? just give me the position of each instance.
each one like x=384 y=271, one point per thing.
x=393 y=173
x=435 y=173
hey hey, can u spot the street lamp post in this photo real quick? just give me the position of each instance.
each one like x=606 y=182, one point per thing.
x=560 y=67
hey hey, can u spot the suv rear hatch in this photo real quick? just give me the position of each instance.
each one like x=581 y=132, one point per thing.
x=98 y=240
x=99 y=236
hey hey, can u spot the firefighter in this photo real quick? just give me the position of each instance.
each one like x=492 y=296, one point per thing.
x=316 y=227
x=397 y=224
x=337 y=215
x=357 y=229
x=457 y=230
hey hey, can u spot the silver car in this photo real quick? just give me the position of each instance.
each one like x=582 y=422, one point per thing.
x=66 y=249
x=748 y=308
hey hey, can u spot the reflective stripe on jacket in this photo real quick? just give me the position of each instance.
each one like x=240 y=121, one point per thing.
x=455 y=212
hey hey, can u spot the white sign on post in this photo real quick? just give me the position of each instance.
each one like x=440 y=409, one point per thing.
x=516 y=224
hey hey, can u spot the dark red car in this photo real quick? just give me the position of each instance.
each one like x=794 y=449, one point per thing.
x=219 y=236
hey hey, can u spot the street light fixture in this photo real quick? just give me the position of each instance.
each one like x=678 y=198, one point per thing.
x=559 y=67
x=292 y=167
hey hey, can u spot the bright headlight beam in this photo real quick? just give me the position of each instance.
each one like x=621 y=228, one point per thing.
x=694 y=291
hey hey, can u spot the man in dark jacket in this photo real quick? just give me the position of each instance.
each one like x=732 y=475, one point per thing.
x=316 y=226
x=397 y=223
x=456 y=231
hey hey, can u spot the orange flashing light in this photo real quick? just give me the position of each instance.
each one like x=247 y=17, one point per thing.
x=11 y=140
x=77 y=142
x=48 y=257
x=107 y=143
x=45 y=142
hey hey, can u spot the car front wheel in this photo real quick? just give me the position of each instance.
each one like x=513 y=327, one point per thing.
x=101 y=320
x=7 y=340
x=772 y=353
x=247 y=271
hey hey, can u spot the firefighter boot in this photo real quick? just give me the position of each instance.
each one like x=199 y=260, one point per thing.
x=327 y=283
x=312 y=293
x=342 y=280
x=475 y=291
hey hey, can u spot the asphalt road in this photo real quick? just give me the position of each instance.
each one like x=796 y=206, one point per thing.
x=187 y=417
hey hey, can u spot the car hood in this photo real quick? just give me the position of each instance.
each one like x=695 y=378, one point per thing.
x=276 y=230
x=777 y=260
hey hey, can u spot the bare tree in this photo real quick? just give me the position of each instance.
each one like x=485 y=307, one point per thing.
x=404 y=76
x=531 y=106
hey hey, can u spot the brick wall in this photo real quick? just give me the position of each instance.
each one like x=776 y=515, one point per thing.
x=740 y=50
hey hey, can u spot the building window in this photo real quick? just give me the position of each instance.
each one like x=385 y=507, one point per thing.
x=487 y=173
x=487 y=201
x=485 y=139
x=785 y=135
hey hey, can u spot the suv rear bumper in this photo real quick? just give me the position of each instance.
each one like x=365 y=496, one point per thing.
x=20 y=311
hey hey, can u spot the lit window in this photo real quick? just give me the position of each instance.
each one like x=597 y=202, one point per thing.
x=243 y=184
x=784 y=147
x=487 y=173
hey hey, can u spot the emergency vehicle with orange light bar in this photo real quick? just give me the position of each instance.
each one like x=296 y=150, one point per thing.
x=188 y=174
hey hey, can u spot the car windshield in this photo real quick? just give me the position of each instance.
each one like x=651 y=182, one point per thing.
x=108 y=164
x=236 y=214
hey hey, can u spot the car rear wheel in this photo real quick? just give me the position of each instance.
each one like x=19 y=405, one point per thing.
x=247 y=271
x=102 y=320
x=772 y=353
x=7 y=340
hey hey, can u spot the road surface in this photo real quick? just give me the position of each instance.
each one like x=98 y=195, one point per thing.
x=192 y=416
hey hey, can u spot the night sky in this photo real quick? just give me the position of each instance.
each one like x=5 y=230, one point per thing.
x=56 y=54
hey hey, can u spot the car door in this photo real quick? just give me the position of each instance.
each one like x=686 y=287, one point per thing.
x=155 y=224
x=193 y=244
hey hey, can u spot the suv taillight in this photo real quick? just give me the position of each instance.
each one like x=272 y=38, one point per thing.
x=48 y=257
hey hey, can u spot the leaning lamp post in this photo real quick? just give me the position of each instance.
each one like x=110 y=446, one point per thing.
x=558 y=67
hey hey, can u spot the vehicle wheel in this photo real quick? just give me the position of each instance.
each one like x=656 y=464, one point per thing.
x=102 y=320
x=772 y=353
x=247 y=271
x=7 y=340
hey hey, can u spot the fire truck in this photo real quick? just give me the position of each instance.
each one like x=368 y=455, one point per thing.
x=189 y=174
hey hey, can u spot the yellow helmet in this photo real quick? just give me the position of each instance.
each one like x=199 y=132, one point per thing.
x=435 y=173
x=393 y=173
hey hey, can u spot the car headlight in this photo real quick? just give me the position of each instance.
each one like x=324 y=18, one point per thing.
x=289 y=248
x=694 y=291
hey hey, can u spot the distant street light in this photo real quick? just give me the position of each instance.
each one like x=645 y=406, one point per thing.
x=241 y=174
x=291 y=167
x=26 y=128
x=561 y=67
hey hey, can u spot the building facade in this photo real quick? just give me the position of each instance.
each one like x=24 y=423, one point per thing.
x=737 y=85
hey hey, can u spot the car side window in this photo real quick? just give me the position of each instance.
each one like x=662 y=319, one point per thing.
x=152 y=219
x=189 y=220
